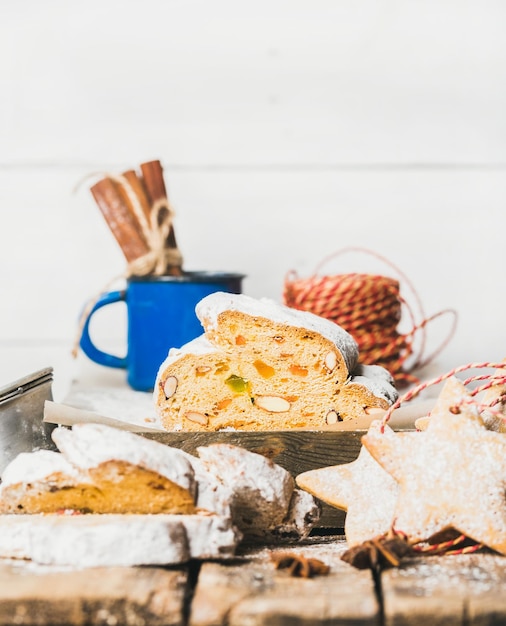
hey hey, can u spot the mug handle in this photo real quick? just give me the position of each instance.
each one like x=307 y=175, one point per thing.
x=87 y=345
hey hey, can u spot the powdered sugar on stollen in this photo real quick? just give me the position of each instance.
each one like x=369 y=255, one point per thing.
x=31 y=467
x=116 y=540
x=88 y=445
x=210 y=307
x=260 y=490
x=377 y=380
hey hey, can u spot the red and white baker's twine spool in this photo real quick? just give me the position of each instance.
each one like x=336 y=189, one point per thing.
x=369 y=307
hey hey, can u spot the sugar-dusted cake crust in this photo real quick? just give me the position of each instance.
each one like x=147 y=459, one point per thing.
x=219 y=314
x=101 y=470
x=262 y=366
x=88 y=446
x=106 y=471
x=260 y=490
x=259 y=495
x=116 y=540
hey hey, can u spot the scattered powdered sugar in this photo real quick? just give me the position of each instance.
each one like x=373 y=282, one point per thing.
x=127 y=405
x=469 y=574
x=24 y=566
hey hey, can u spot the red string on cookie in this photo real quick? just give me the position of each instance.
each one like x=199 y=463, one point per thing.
x=452 y=546
x=493 y=379
x=370 y=308
x=389 y=549
x=461 y=544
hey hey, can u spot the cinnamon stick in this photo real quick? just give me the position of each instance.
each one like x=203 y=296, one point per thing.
x=152 y=174
x=120 y=218
x=139 y=189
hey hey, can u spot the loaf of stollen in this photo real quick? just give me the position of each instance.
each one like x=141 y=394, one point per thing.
x=260 y=365
x=99 y=469
x=105 y=483
x=263 y=499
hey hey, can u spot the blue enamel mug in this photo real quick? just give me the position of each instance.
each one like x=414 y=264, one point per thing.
x=160 y=315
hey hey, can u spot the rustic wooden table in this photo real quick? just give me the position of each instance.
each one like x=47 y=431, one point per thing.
x=462 y=590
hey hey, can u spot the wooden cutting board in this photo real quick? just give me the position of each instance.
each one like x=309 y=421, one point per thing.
x=296 y=450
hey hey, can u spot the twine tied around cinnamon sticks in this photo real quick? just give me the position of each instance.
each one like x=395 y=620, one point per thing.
x=155 y=229
x=139 y=215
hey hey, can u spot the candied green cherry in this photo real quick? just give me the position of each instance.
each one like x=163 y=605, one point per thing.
x=237 y=384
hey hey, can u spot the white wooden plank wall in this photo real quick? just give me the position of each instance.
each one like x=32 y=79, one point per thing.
x=288 y=130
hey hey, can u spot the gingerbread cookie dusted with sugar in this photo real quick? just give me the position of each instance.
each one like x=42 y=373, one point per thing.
x=490 y=400
x=263 y=366
x=450 y=476
x=362 y=488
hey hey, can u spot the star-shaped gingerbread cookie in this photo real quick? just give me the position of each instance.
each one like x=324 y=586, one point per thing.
x=453 y=392
x=494 y=397
x=451 y=475
x=362 y=488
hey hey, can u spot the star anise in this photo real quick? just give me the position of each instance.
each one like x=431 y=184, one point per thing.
x=379 y=553
x=298 y=565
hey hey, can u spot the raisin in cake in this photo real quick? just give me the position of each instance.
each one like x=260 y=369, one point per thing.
x=263 y=366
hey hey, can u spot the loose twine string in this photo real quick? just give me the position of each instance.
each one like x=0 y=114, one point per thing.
x=498 y=378
x=154 y=262
x=155 y=232
x=369 y=307
x=460 y=544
